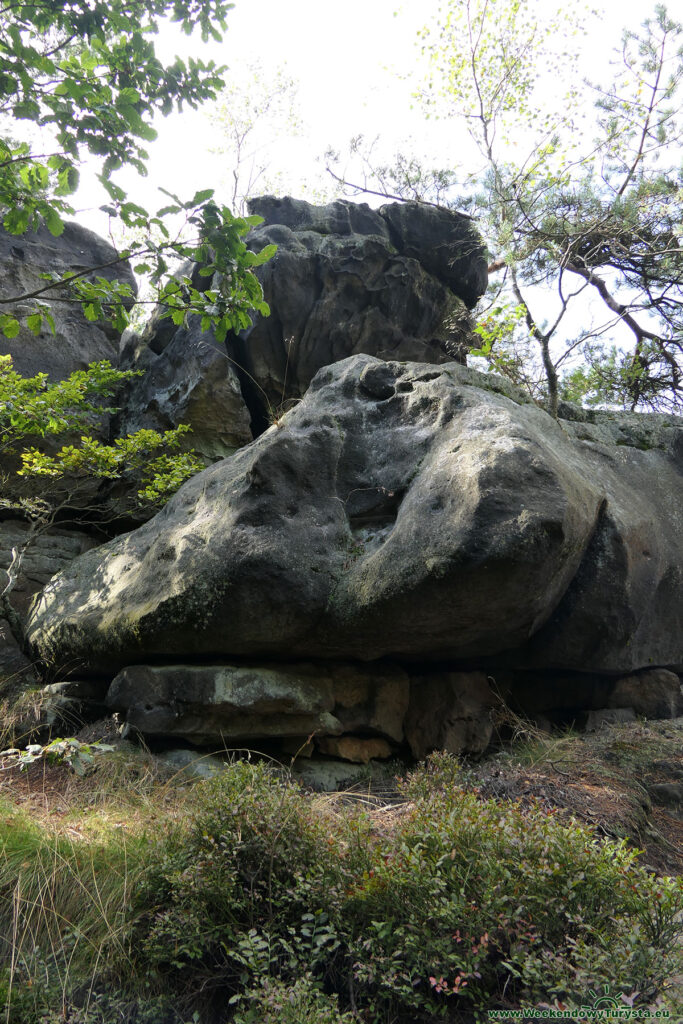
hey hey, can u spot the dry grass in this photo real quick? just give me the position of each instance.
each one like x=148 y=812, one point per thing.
x=601 y=778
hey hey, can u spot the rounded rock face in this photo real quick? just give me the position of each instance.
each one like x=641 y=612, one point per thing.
x=394 y=283
x=399 y=510
x=76 y=341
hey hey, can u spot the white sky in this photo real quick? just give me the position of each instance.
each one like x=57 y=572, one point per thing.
x=347 y=59
x=353 y=64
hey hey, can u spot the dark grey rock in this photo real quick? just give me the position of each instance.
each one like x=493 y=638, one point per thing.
x=190 y=380
x=211 y=704
x=593 y=721
x=345 y=279
x=232 y=703
x=86 y=690
x=331 y=776
x=445 y=521
x=450 y=711
x=76 y=341
x=336 y=218
x=192 y=764
x=653 y=693
x=631 y=429
x=17 y=672
x=48 y=551
x=446 y=243
x=669 y=795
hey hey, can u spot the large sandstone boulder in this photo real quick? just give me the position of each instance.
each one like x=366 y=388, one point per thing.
x=76 y=341
x=394 y=283
x=418 y=512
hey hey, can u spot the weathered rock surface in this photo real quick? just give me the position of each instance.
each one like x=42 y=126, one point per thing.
x=394 y=283
x=654 y=693
x=16 y=670
x=347 y=279
x=668 y=794
x=76 y=341
x=210 y=703
x=450 y=711
x=232 y=703
x=596 y=720
x=371 y=699
x=328 y=775
x=404 y=511
x=191 y=764
x=188 y=378
x=358 y=749
x=48 y=551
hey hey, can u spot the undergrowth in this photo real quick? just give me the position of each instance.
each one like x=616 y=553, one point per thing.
x=247 y=900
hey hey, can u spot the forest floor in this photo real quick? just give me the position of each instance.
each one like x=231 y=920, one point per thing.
x=623 y=781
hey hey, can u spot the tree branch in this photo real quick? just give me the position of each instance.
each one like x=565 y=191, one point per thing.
x=388 y=195
x=544 y=341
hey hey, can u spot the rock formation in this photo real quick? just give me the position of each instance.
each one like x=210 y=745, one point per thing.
x=76 y=341
x=394 y=283
x=410 y=542
x=400 y=513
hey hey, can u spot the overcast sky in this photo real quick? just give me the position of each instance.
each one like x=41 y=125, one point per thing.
x=348 y=60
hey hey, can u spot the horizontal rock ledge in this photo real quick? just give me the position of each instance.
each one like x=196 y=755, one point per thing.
x=358 y=712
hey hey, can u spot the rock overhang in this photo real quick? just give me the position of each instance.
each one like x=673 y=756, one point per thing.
x=400 y=510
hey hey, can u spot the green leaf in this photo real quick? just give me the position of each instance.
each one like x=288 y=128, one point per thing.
x=9 y=326
x=16 y=220
x=264 y=255
x=26 y=110
x=54 y=223
x=34 y=323
x=68 y=180
x=201 y=197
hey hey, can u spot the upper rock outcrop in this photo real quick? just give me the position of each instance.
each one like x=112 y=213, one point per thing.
x=399 y=510
x=393 y=283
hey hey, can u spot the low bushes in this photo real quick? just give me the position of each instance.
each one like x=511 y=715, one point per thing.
x=260 y=903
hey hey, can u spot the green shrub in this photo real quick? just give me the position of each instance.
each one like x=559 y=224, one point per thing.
x=257 y=902
x=243 y=891
x=464 y=904
x=476 y=904
x=299 y=1003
